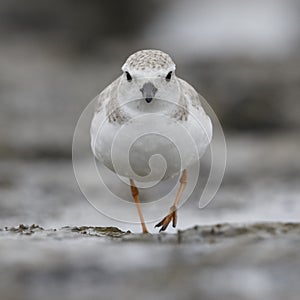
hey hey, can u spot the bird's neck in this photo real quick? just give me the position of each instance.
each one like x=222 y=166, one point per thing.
x=155 y=106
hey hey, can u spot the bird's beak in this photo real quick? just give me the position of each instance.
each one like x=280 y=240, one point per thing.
x=148 y=91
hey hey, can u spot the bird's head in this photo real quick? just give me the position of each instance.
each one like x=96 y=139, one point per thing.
x=149 y=76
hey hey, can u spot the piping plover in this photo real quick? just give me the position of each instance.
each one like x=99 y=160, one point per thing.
x=149 y=98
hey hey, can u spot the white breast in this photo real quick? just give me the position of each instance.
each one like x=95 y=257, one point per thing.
x=151 y=146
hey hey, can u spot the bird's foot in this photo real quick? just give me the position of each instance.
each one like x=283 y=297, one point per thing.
x=172 y=216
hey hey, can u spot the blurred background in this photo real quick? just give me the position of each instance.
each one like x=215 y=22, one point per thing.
x=242 y=56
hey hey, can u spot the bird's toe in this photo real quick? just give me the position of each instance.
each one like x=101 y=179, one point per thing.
x=164 y=223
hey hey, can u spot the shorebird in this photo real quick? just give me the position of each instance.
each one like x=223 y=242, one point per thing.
x=147 y=87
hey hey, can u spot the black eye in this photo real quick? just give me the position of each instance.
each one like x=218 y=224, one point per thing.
x=168 y=77
x=128 y=76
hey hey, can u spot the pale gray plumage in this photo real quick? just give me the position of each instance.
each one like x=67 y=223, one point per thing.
x=148 y=98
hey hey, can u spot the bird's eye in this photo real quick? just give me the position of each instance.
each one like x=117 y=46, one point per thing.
x=168 y=77
x=128 y=76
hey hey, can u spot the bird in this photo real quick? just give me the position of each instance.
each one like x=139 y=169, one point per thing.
x=149 y=96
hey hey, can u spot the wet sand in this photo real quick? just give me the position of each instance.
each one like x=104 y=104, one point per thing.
x=222 y=261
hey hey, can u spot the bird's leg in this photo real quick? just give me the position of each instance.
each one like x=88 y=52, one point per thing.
x=135 y=195
x=172 y=216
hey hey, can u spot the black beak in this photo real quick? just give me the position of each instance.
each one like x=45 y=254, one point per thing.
x=148 y=100
x=148 y=91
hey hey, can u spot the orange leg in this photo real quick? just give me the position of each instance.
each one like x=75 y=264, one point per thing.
x=135 y=195
x=172 y=216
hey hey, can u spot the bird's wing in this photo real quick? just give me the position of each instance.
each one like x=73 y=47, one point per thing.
x=188 y=97
x=193 y=99
x=190 y=94
x=109 y=94
x=108 y=100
